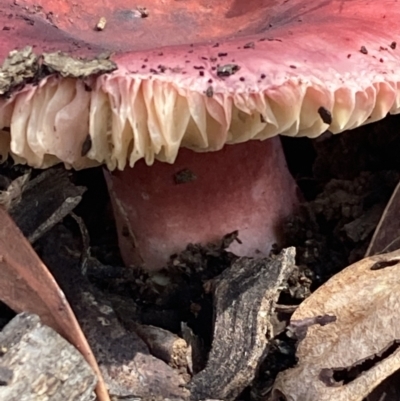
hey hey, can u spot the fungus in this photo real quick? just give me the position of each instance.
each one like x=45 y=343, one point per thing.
x=222 y=77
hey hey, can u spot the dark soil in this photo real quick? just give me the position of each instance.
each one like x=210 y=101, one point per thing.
x=347 y=181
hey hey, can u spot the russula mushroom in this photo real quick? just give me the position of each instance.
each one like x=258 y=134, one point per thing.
x=223 y=77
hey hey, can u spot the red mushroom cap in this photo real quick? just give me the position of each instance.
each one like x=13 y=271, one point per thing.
x=196 y=74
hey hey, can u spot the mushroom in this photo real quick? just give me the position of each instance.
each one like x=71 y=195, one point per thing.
x=191 y=115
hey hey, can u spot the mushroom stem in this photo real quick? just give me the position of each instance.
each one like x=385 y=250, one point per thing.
x=159 y=209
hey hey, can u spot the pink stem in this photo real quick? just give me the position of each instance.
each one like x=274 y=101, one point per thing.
x=159 y=209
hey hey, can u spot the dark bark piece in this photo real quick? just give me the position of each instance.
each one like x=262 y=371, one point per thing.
x=127 y=366
x=41 y=364
x=244 y=300
x=45 y=201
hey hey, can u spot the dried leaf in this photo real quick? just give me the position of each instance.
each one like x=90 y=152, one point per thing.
x=387 y=234
x=27 y=285
x=344 y=359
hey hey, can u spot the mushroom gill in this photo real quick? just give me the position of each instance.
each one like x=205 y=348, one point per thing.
x=199 y=75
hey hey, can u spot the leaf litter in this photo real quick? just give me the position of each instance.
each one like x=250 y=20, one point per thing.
x=346 y=358
x=345 y=199
x=347 y=331
x=27 y=285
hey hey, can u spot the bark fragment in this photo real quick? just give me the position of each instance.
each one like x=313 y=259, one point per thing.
x=244 y=300
x=24 y=66
x=18 y=68
x=46 y=200
x=165 y=345
x=68 y=66
x=37 y=363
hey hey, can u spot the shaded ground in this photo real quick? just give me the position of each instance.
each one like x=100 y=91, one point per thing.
x=347 y=181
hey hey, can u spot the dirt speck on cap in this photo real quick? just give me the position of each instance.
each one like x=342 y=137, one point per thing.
x=184 y=176
x=141 y=12
x=86 y=146
x=227 y=70
x=249 y=45
x=100 y=26
x=325 y=115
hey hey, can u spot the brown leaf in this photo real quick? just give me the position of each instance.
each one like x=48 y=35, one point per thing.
x=344 y=359
x=27 y=285
x=387 y=234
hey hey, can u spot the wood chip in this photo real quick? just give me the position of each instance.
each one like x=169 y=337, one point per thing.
x=12 y=195
x=44 y=202
x=164 y=345
x=40 y=364
x=100 y=26
x=244 y=300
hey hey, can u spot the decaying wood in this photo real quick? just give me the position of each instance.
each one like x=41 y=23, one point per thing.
x=126 y=364
x=165 y=345
x=195 y=349
x=244 y=299
x=351 y=343
x=36 y=363
x=46 y=200
x=27 y=285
